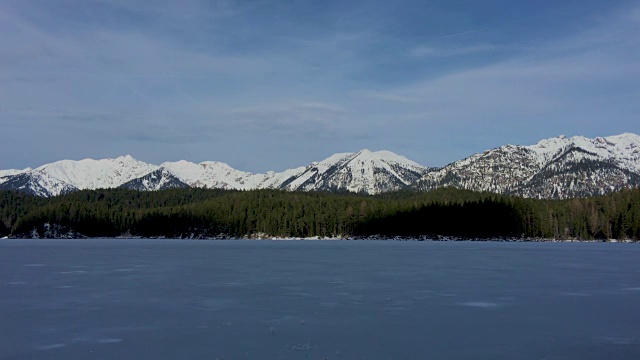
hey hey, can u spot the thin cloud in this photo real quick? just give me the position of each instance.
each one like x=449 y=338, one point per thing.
x=425 y=51
x=468 y=32
x=311 y=118
x=184 y=9
x=204 y=78
x=543 y=91
x=385 y=96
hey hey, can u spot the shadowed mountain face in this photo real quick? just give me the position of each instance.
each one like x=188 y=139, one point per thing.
x=36 y=183
x=160 y=179
x=553 y=168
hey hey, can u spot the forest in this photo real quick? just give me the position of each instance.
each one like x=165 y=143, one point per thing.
x=202 y=213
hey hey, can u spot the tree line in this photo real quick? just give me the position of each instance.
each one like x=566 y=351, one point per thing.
x=201 y=213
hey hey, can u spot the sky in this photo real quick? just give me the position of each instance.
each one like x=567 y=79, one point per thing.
x=271 y=85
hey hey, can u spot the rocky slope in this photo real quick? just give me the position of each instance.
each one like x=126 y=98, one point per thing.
x=553 y=168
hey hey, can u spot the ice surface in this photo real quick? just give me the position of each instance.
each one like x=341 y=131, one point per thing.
x=480 y=304
x=318 y=299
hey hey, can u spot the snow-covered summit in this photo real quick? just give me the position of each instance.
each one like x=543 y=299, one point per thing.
x=623 y=148
x=557 y=167
x=365 y=171
x=219 y=175
x=68 y=175
x=97 y=174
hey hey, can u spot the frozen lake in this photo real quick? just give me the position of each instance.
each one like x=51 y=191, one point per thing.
x=171 y=299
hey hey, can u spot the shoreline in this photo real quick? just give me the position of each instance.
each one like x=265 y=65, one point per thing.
x=263 y=237
x=55 y=231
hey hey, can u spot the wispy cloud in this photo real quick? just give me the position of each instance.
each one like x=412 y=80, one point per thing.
x=202 y=77
x=432 y=51
x=316 y=119
x=462 y=33
x=385 y=96
x=572 y=84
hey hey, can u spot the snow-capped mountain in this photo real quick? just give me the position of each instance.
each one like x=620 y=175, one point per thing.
x=218 y=175
x=559 y=167
x=553 y=168
x=38 y=183
x=64 y=176
x=98 y=174
x=365 y=171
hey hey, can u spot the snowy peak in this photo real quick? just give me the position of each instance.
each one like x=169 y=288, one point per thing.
x=37 y=183
x=218 y=175
x=67 y=175
x=391 y=157
x=623 y=148
x=365 y=171
x=333 y=160
x=96 y=174
x=558 y=167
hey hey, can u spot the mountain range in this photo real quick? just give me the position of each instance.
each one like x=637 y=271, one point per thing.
x=555 y=168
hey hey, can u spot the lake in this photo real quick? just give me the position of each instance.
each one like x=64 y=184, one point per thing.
x=235 y=299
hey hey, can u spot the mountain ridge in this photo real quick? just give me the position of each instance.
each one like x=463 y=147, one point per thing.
x=604 y=164
x=558 y=167
x=364 y=171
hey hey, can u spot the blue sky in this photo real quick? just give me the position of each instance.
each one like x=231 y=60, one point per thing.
x=270 y=85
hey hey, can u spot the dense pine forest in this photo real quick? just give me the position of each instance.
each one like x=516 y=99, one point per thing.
x=199 y=213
